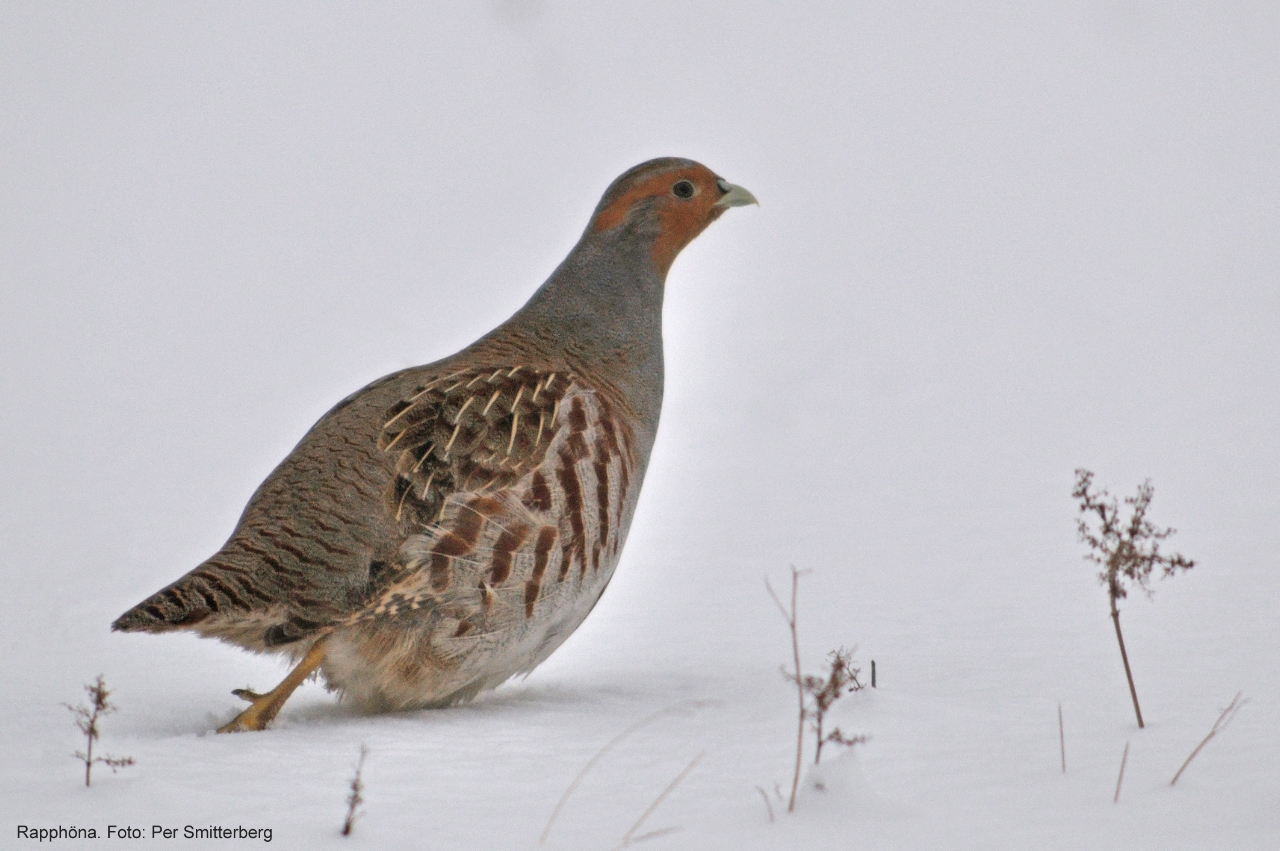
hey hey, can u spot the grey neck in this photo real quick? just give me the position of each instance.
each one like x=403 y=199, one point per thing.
x=603 y=307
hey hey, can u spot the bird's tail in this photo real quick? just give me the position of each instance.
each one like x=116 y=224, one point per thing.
x=201 y=594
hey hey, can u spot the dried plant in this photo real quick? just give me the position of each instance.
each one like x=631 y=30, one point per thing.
x=841 y=678
x=355 y=799
x=815 y=695
x=1128 y=550
x=87 y=718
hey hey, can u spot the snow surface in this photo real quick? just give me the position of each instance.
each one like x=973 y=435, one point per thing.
x=996 y=243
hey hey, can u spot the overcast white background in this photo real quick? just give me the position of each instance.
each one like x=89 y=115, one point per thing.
x=995 y=243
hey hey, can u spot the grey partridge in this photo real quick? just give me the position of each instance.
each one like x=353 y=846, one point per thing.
x=449 y=525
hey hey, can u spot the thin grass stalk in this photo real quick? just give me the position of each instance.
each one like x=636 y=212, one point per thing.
x=657 y=802
x=608 y=746
x=768 y=806
x=1218 y=726
x=1062 y=740
x=1120 y=779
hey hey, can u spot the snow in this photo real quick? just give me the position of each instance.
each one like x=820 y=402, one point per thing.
x=996 y=243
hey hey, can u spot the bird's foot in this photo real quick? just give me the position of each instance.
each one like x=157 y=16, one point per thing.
x=262 y=710
x=264 y=707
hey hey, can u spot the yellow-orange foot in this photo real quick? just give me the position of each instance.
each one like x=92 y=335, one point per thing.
x=259 y=714
x=264 y=707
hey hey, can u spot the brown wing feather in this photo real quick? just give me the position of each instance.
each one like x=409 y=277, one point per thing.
x=533 y=524
x=475 y=430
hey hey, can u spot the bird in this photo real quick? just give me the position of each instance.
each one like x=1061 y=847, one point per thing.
x=448 y=526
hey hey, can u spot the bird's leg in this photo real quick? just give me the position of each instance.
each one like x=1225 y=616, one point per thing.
x=263 y=707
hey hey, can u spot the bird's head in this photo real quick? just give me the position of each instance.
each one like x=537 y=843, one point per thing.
x=667 y=202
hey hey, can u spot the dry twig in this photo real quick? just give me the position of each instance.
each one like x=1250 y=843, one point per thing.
x=1227 y=716
x=790 y=617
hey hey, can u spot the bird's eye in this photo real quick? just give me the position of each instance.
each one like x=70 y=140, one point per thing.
x=682 y=189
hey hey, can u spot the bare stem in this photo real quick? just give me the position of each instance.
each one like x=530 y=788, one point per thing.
x=1120 y=779
x=790 y=618
x=1133 y=692
x=1224 y=719
x=88 y=759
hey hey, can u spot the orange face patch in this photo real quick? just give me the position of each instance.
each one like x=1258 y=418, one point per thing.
x=682 y=218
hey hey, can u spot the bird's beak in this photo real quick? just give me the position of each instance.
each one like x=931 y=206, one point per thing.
x=734 y=196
